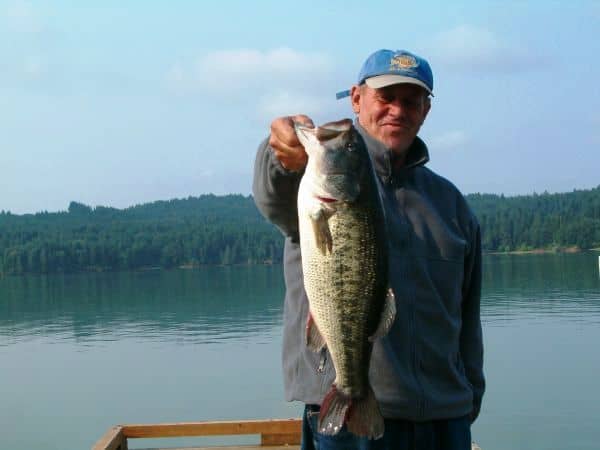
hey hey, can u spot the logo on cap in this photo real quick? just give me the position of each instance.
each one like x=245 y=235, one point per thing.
x=403 y=62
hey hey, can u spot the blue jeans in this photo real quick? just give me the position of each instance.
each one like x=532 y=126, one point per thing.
x=451 y=434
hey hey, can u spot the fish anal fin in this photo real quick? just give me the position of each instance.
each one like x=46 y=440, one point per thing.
x=314 y=338
x=388 y=314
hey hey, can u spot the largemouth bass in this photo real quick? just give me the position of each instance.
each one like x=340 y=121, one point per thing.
x=344 y=260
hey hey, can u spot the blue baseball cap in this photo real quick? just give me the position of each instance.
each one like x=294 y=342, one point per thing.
x=387 y=67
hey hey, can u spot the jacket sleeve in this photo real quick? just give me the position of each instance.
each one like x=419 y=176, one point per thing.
x=275 y=191
x=471 y=340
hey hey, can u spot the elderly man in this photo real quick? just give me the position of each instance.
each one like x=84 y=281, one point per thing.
x=427 y=373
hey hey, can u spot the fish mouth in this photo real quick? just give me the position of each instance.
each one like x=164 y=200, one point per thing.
x=325 y=199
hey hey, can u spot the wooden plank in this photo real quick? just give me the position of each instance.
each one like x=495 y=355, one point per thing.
x=182 y=429
x=237 y=447
x=113 y=439
x=279 y=439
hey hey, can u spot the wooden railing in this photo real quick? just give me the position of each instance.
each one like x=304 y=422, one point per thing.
x=276 y=432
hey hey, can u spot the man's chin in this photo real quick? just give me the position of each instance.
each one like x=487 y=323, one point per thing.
x=398 y=145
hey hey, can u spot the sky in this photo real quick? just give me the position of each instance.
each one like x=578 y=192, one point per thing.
x=118 y=103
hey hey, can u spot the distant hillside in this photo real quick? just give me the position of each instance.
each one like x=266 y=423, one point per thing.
x=193 y=231
x=229 y=230
x=539 y=221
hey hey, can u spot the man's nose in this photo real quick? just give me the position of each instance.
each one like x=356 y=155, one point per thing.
x=396 y=108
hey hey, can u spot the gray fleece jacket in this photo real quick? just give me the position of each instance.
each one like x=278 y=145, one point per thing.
x=430 y=365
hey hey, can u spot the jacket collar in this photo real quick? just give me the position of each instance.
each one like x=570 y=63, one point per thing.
x=381 y=156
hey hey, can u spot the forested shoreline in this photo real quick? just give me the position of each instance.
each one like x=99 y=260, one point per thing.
x=223 y=230
x=205 y=230
x=538 y=221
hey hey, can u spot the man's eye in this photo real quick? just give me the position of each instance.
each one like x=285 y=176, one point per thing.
x=386 y=98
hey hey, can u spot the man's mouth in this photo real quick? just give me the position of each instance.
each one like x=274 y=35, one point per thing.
x=395 y=125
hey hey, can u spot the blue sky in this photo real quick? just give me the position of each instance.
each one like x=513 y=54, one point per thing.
x=117 y=103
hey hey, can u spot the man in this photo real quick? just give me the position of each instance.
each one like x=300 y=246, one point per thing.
x=427 y=372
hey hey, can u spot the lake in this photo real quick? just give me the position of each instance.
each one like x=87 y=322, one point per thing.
x=82 y=352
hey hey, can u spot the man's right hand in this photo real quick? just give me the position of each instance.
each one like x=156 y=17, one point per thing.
x=285 y=144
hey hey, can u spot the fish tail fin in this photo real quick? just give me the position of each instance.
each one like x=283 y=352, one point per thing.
x=364 y=417
x=334 y=411
x=361 y=416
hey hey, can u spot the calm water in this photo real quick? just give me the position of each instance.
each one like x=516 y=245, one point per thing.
x=80 y=353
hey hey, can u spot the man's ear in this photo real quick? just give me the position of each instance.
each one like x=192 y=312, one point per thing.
x=355 y=93
x=426 y=108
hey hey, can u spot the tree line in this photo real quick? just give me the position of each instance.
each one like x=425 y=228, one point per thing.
x=163 y=234
x=229 y=230
x=538 y=221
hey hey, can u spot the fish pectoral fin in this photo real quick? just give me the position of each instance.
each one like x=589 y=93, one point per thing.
x=322 y=233
x=314 y=338
x=388 y=315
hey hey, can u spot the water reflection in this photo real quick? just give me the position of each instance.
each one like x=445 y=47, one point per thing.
x=213 y=304
x=186 y=306
x=116 y=348
x=564 y=286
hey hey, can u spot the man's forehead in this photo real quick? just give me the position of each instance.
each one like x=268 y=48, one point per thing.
x=404 y=89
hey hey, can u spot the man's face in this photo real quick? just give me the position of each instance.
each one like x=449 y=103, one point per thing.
x=393 y=114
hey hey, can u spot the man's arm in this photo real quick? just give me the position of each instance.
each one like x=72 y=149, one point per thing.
x=471 y=341
x=280 y=161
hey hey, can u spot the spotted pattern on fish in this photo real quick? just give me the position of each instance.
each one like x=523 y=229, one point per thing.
x=346 y=281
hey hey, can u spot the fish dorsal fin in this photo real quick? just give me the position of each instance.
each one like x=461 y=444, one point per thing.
x=388 y=315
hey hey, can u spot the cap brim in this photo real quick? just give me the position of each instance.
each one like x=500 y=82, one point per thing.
x=380 y=81
x=342 y=94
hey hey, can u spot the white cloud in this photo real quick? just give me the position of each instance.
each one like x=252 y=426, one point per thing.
x=278 y=62
x=21 y=17
x=281 y=102
x=450 y=140
x=230 y=71
x=468 y=48
x=274 y=82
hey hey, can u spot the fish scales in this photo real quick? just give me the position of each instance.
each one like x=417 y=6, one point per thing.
x=340 y=281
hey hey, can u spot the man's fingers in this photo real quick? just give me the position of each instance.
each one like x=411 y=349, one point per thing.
x=284 y=141
x=292 y=158
x=295 y=163
x=283 y=133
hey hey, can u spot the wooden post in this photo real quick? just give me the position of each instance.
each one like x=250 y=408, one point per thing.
x=113 y=439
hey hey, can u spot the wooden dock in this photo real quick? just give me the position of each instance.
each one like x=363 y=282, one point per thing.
x=275 y=434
